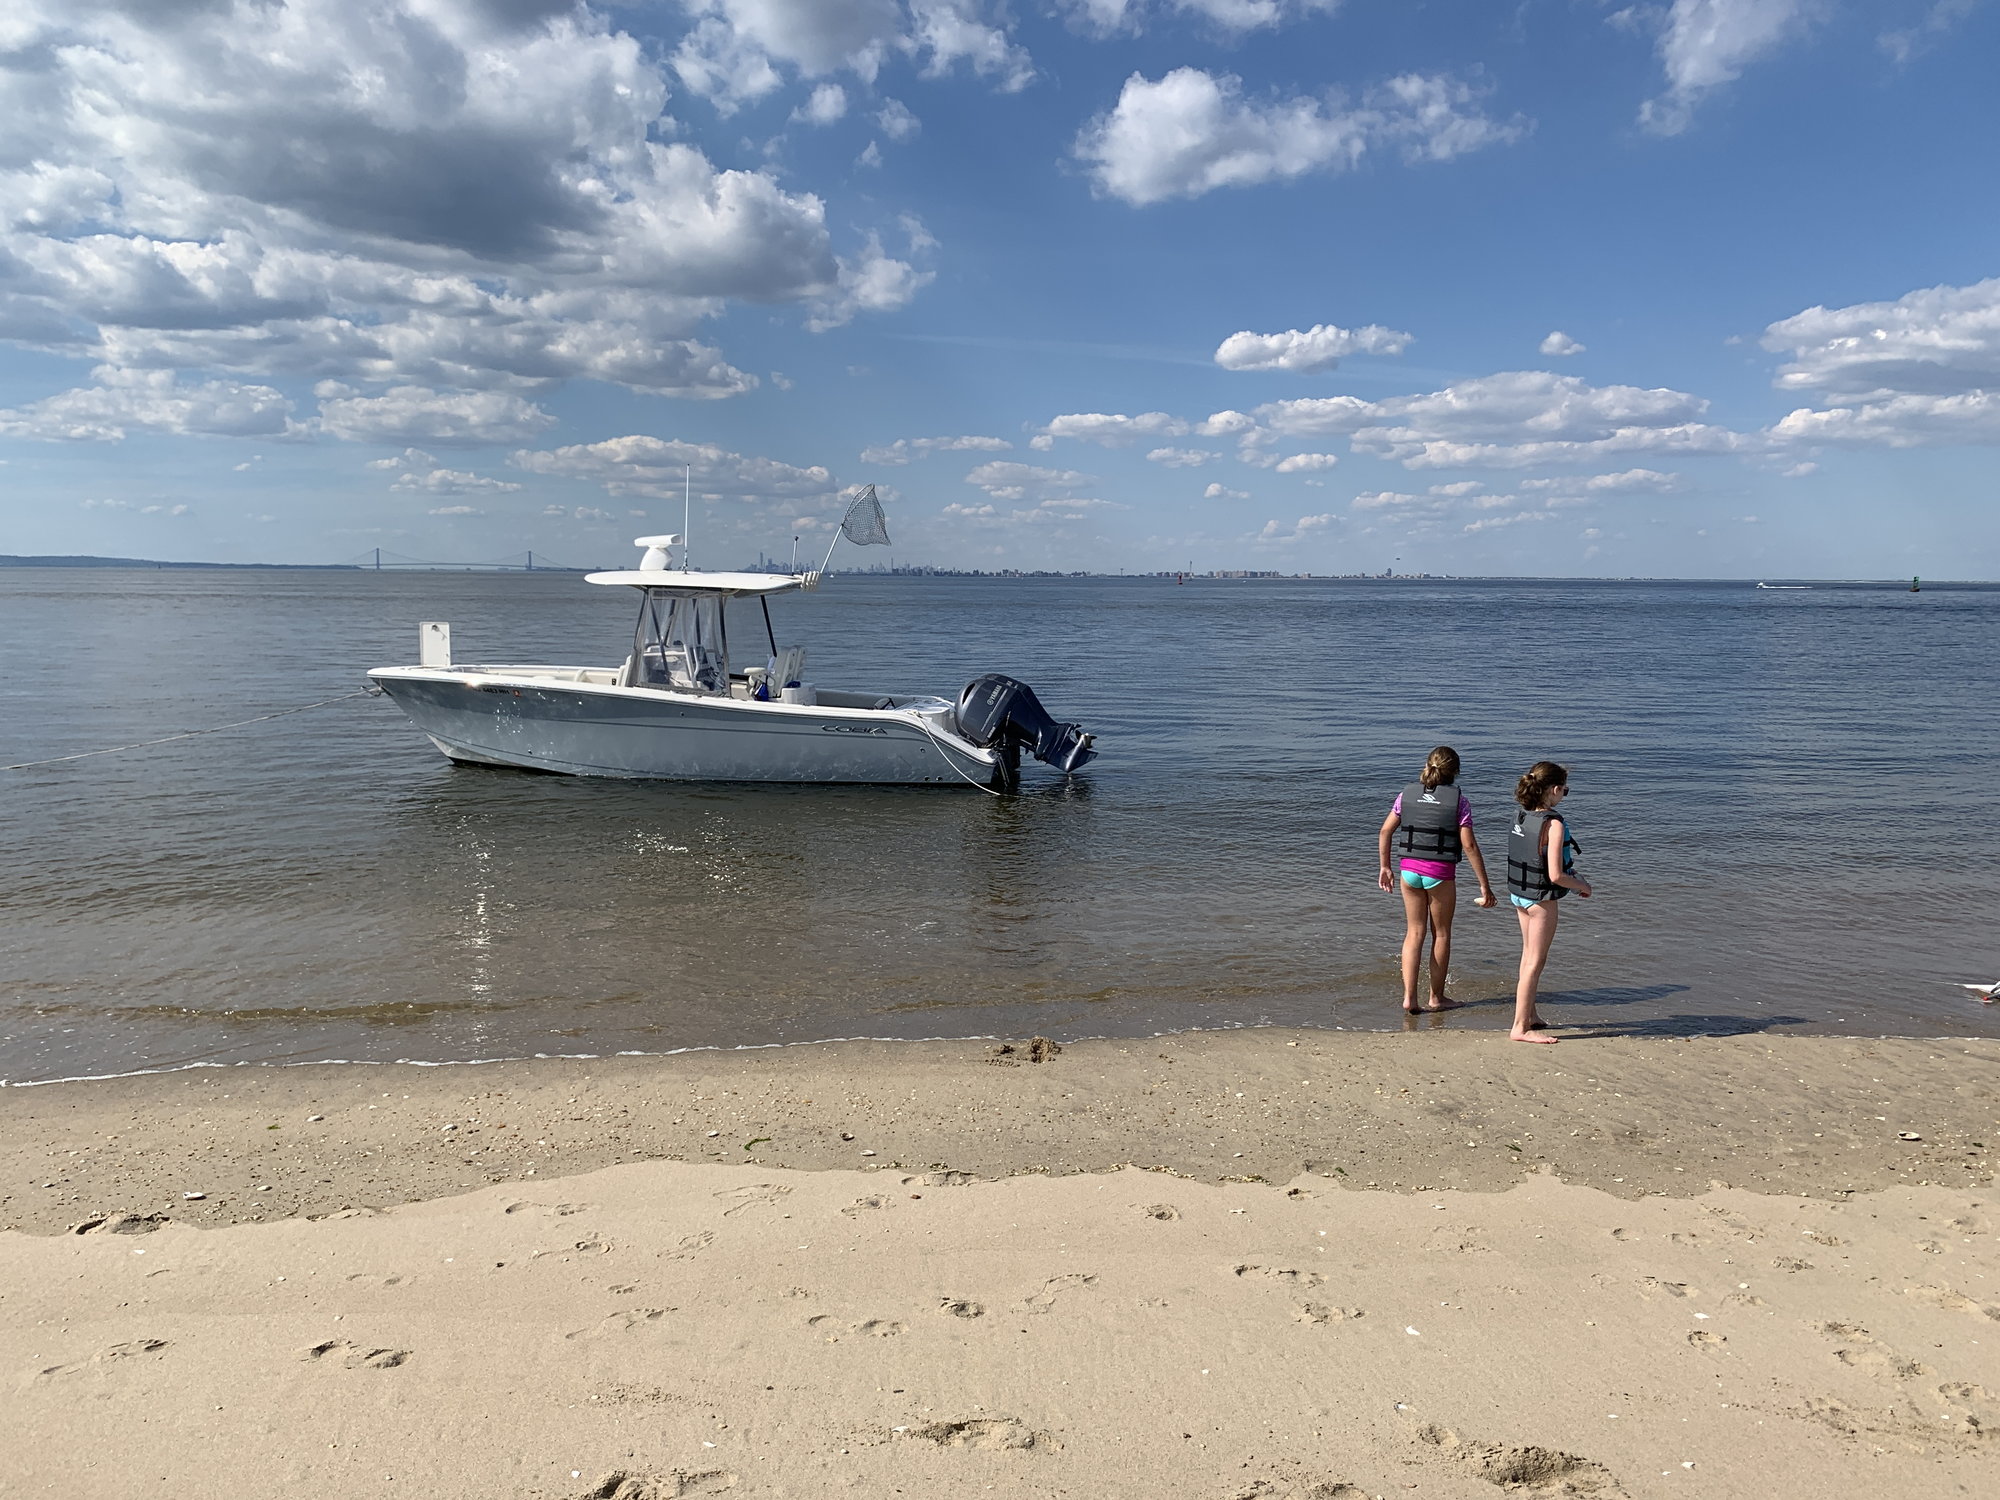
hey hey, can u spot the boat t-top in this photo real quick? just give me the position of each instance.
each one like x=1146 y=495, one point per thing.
x=686 y=705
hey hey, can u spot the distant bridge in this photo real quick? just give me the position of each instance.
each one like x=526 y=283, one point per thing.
x=382 y=560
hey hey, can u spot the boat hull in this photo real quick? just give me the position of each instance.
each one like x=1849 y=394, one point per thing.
x=580 y=729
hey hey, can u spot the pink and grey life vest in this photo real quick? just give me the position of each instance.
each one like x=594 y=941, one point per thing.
x=1527 y=860
x=1429 y=828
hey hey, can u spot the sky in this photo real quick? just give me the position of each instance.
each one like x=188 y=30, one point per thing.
x=1697 y=288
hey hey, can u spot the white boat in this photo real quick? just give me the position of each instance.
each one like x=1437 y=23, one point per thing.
x=681 y=708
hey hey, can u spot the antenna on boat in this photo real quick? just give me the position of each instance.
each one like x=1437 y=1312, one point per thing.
x=687 y=513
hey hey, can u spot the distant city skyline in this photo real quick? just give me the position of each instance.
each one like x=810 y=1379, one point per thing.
x=1699 y=288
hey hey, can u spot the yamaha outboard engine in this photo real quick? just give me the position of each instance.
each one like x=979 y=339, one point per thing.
x=996 y=712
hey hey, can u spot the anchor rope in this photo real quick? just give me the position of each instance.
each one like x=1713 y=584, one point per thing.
x=367 y=692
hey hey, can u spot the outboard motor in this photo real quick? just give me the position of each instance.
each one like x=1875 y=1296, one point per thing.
x=998 y=712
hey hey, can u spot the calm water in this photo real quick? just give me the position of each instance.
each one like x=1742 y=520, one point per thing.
x=1787 y=801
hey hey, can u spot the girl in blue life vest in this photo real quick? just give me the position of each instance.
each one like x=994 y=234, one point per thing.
x=1430 y=825
x=1541 y=870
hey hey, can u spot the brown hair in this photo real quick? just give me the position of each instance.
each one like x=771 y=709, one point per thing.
x=1440 y=768
x=1543 y=777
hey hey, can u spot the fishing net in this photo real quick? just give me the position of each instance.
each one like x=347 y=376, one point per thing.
x=865 y=525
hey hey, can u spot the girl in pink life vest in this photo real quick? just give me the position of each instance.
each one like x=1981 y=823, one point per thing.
x=1430 y=825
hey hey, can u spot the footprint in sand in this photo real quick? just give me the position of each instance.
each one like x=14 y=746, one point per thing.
x=554 y=1210
x=869 y=1204
x=961 y=1307
x=691 y=1245
x=1790 y=1263
x=872 y=1328
x=371 y=1279
x=1527 y=1470
x=1652 y=1288
x=122 y=1224
x=1321 y=1489
x=1165 y=1212
x=1701 y=1338
x=755 y=1193
x=1320 y=1312
x=616 y=1323
x=354 y=1357
x=591 y=1246
x=1285 y=1276
x=134 y=1349
x=1054 y=1287
x=943 y=1179
x=1860 y=1351
x=987 y=1434
x=1950 y=1301
x=675 y=1485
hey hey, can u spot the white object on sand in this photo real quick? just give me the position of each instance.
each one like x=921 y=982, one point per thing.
x=1987 y=993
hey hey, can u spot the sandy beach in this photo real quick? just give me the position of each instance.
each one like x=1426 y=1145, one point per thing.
x=1228 y=1265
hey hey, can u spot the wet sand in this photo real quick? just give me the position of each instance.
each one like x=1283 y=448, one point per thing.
x=1229 y=1265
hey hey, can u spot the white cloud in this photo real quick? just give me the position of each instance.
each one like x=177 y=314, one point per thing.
x=1940 y=340
x=1005 y=480
x=459 y=510
x=1303 y=529
x=1560 y=345
x=419 y=473
x=1306 y=463
x=1182 y=458
x=123 y=401
x=1516 y=419
x=1909 y=42
x=1922 y=370
x=875 y=281
x=1628 y=482
x=1492 y=523
x=1109 y=429
x=453 y=194
x=1233 y=17
x=1319 y=347
x=976 y=511
x=897 y=122
x=416 y=414
x=1224 y=492
x=741 y=50
x=908 y=450
x=1705 y=44
x=653 y=467
x=1193 y=132
x=826 y=104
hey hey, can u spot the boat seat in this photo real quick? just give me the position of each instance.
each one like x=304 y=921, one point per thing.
x=787 y=667
x=833 y=698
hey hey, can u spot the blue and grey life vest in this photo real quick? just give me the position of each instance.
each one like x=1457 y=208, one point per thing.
x=1430 y=823
x=1527 y=861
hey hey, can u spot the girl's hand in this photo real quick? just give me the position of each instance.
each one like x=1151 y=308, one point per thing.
x=1485 y=898
x=1582 y=886
x=1382 y=880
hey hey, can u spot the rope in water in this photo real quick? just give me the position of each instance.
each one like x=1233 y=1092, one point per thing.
x=367 y=692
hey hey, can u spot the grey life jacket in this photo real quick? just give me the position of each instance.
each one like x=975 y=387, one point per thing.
x=1527 y=861
x=1430 y=823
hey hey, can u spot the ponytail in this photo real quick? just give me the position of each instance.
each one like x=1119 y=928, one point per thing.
x=1440 y=768
x=1543 y=777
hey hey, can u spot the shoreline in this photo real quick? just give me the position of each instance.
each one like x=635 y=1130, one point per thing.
x=1823 y=1116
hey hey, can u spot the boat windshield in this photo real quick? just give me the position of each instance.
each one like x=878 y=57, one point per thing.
x=681 y=643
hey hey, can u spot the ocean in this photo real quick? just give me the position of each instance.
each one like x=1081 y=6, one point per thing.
x=1787 y=801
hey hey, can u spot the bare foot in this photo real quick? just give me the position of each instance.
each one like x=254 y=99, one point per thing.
x=1532 y=1036
x=1439 y=1002
x=1411 y=1008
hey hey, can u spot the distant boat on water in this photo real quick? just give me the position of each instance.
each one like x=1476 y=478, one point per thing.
x=1915 y=586
x=1784 y=585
